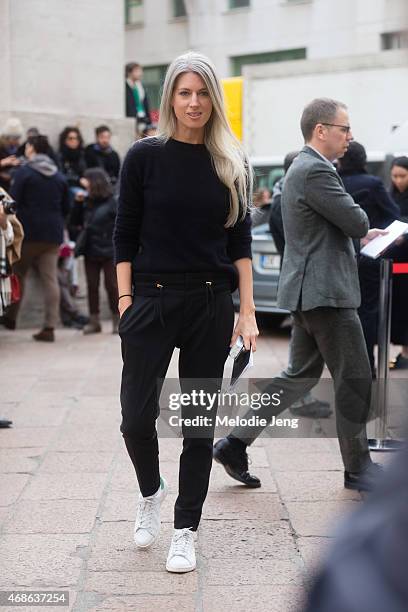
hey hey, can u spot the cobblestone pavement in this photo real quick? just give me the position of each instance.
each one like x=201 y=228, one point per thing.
x=68 y=494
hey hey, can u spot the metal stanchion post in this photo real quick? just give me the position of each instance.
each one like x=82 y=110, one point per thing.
x=381 y=442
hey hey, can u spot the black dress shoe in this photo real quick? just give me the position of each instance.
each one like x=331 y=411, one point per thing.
x=235 y=462
x=364 y=480
x=315 y=409
x=5 y=423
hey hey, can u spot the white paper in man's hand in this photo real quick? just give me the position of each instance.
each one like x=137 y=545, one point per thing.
x=378 y=245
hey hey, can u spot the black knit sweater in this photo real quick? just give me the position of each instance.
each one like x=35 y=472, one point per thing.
x=172 y=211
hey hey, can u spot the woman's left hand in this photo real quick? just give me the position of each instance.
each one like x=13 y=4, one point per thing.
x=247 y=328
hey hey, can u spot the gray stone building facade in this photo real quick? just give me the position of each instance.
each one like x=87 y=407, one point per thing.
x=61 y=62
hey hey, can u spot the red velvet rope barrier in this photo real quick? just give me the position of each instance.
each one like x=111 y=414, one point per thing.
x=400 y=268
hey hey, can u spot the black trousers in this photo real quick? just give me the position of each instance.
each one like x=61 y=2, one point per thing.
x=332 y=336
x=193 y=312
x=93 y=268
x=369 y=274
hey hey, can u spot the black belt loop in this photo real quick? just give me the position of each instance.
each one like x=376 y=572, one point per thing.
x=161 y=288
x=209 y=293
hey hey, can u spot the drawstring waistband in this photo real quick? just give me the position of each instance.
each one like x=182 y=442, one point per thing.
x=210 y=299
x=161 y=316
x=149 y=284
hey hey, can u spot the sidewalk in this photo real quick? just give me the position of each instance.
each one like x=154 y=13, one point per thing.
x=68 y=494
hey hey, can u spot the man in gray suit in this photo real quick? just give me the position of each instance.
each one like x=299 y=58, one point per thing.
x=319 y=284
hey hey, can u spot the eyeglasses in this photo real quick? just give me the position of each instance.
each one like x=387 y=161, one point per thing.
x=346 y=128
x=72 y=138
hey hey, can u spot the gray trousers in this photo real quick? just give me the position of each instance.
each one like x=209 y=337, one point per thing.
x=333 y=336
x=43 y=256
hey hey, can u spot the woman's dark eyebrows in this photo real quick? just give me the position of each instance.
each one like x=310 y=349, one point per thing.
x=187 y=89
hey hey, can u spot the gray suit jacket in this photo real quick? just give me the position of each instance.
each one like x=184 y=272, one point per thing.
x=320 y=219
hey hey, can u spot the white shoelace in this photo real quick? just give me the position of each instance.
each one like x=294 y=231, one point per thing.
x=181 y=542
x=145 y=513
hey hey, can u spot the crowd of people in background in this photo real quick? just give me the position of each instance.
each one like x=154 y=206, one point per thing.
x=66 y=204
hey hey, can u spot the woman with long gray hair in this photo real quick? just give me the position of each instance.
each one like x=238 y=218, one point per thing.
x=182 y=245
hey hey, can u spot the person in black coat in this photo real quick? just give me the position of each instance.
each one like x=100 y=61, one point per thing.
x=95 y=218
x=71 y=159
x=399 y=321
x=381 y=209
x=275 y=216
x=101 y=155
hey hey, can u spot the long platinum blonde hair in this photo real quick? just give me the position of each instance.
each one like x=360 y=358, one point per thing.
x=226 y=151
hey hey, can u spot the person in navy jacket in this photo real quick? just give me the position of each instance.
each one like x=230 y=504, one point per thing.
x=42 y=196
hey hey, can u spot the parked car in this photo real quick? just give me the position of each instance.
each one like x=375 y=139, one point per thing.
x=266 y=263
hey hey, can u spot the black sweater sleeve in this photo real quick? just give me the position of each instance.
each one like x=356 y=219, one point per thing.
x=239 y=236
x=130 y=207
x=239 y=239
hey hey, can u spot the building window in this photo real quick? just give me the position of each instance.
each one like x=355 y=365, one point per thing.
x=153 y=79
x=394 y=40
x=179 y=8
x=239 y=3
x=133 y=11
x=239 y=61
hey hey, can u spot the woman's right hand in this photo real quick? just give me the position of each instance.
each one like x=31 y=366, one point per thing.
x=124 y=304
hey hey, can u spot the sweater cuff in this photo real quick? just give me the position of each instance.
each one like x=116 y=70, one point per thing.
x=240 y=252
x=125 y=253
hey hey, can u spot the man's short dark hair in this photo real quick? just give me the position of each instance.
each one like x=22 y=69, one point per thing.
x=39 y=143
x=320 y=110
x=131 y=66
x=101 y=129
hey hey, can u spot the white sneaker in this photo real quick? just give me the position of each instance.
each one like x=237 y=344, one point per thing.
x=147 y=525
x=181 y=557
